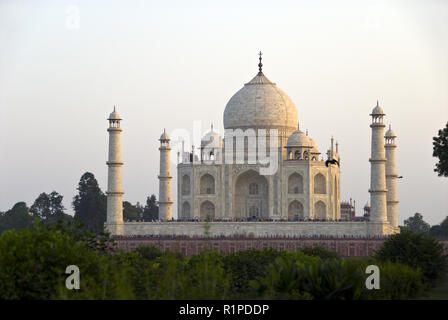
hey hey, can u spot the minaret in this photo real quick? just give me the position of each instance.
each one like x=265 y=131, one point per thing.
x=165 y=201
x=391 y=178
x=378 y=208
x=114 y=185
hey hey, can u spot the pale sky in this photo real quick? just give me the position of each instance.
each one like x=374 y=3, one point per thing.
x=168 y=64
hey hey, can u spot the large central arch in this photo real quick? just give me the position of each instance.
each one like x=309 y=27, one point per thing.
x=250 y=195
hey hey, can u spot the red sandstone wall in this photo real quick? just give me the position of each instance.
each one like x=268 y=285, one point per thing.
x=190 y=246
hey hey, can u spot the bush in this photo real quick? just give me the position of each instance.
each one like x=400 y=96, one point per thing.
x=33 y=263
x=149 y=252
x=397 y=282
x=418 y=251
x=247 y=265
x=321 y=252
x=207 y=276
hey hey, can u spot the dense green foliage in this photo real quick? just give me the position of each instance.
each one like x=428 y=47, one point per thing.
x=131 y=212
x=416 y=224
x=440 y=230
x=33 y=262
x=418 y=251
x=151 y=210
x=90 y=203
x=17 y=217
x=47 y=206
x=321 y=252
x=440 y=151
x=247 y=265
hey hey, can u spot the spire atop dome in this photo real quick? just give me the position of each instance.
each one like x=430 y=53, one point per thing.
x=260 y=65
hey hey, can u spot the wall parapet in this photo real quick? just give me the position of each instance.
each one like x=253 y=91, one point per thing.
x=258 y=229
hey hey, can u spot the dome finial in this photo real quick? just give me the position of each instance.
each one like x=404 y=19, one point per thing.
x=377 y=103
x=114 y=108
x=260 y=65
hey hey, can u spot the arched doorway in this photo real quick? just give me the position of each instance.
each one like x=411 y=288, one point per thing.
x=295 y=183
x=295 y=211
x=207 y=184
x=320 y=184
x=186 y=210
x=207 y=211
x=320 y=210
x=185 y=185
x=250 y=196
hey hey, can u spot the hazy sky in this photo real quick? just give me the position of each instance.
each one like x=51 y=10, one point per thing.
x=168 y=64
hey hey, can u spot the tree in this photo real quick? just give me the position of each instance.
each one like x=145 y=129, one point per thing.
x=90 y=203
x=440 y=150
x=48 y=206
x=440 y=230
x=151 y=210
x=16 y=217
x=416 y=224
x=416 y=250
x=131 y=212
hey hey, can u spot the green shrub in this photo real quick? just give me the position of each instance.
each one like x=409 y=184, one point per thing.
x=149 y=252
x=247 y=265
x=416 y=250
x=207 y=276
x=33 y=263
x=397 y=282
x=321 y=252
x=282 y=280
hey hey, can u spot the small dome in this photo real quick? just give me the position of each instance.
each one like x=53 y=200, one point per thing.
x=377 y=110
x=390 y=133
x=114 y=115
x=299 y=139
x=211 y=139
x=164 y=136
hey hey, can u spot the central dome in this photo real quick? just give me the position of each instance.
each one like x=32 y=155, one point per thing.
x=260 y=104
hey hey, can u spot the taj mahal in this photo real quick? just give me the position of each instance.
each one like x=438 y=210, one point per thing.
x=263 y=177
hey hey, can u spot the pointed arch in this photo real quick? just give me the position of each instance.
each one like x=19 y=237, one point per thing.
x=250 y=195
x=186 y=185
x=320 y=184
x=295 y=211
x=186 y=210
x=295 y=183
x=207 y=210
x=320 y=210
x=207 y=184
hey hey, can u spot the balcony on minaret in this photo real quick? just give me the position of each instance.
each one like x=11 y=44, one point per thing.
x=377 y=114
x=164 y=140
x=390 y=137
x=114 y=119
